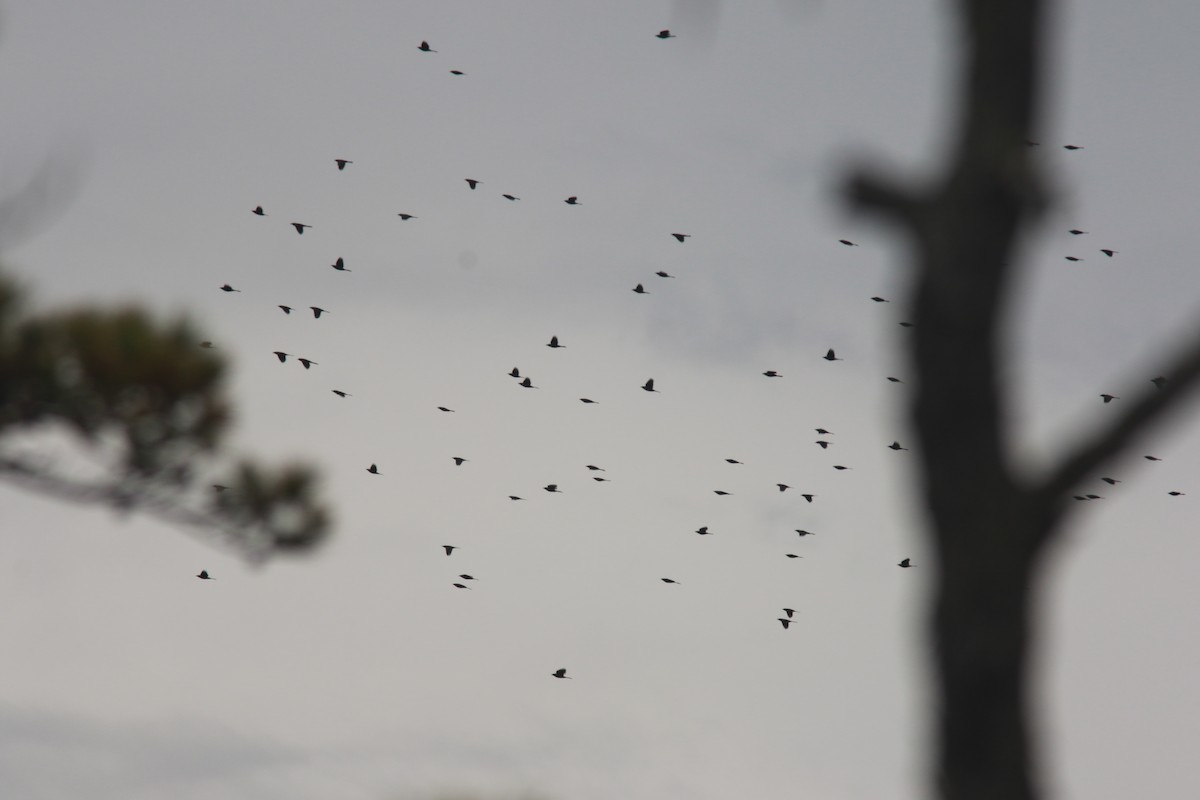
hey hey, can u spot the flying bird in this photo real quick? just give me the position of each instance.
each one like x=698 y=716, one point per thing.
x=572 y=200
x=374 y=470
x=227 y=288
x=803 y=532
x=457 y=72
x=307 y=362
x=317 y=311
x=669 y=580
x=282 y=356
x=510 y=197
x=848 y=243
x=449 y=548
x=732 y=461
x=340 y=393
x=785 y=622
x=894 y=380
x=594 y=468
x=514 y=497
x=881 y=300
x=527 y=384
x=425 y=48
x=458 y=460
x=516 y=373
x=808 y=497
x=204 y=576
x=299 y=226
x=342 y=162
x=679 y=237
x=789 y=612
x=1111 y=481
x=703 y=531
x=1072 y=147
x=829 y=356
x=443 y=408
x=1076 y=232
x=783 y=487
x=259 y=211
x=286 y=309
x=1072 y=258
x=602 y=480
x=824 y=444
x=467 y=577
x=896 y=446
x=839 y=467
x=472 y=182
x=552 y=488
x=1108 y=398
x=554 y=342
x=721 y=493
x=460 y=586
x=1152 y=458
x=665 y=34
x=1175 y=494
x=340 y=265
x=561 y=673
x=823 y=432
x=406 y=217
x=586 y=400
x=649 y=386
x=662 y=274
x=1110 y=253
x=772 y=374
x=906 y=563
x=639 y=289
x=792 y=555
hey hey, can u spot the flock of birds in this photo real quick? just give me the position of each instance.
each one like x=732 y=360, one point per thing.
x=464 y=580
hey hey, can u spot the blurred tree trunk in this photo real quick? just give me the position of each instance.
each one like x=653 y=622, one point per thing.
x=989 y=524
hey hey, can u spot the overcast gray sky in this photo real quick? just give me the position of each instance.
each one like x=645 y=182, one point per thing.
x=362 y=673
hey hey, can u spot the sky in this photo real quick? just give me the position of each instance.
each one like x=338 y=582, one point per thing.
x=361 y=672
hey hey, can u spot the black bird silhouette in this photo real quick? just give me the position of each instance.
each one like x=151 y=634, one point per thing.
x=340 y=393
x=572 y=200
x=720 y=493
x=1072 y=258
x=792 y=555
x=282 y=356
x=554 y=342
x=510 y=197
x=443 y=408
x=286 y=309
x=460 y=586
x=905 y=324
x=227 y=288
x=552 y=488
x=340 y=265
x=808 y=497
x=783 y=487
x=662 y=274
x=1175 y=494
x=458 y=460
x=472 y=182
x=803 y=532
x=561 y=673
x=824 y=444
x=881 y=300
x=785 y=622
x=374 y=470
x=823 y=432
x=586 y=400
x=317 y=312
x=665 y=34
x=1110 y=253
x=258 y=210
x=299 y=226
x=679 y=237
x=467 y=577
x=1111 y=481
x=732 y=461
x=1072 y=147
x=848 y=243
x=839 y=467
x=449 y=548
x=669 y=580
x=703 y=531
x=1152 y=458
x=894 y=380
x=307 y=362
x=829 y=356
x=772 y=374
x=516 y=373
x=514 y=497
x=457 y=72
x=906 y=563
x=602 y=480
x=789 y=612
x=425 y=48
x=406 y=217
x=342 y=162
x=639 y=289
x=527 y=384
x=649 y=386
x=1108 y=398
x=896 y=446
x=1076 y=231
x=204 y=576
x=594 y=468
x=1158 y=382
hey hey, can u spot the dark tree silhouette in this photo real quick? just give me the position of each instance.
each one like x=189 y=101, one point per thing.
x=990 y=524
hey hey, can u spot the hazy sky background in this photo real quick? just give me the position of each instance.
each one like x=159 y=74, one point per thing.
x=362 y=673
